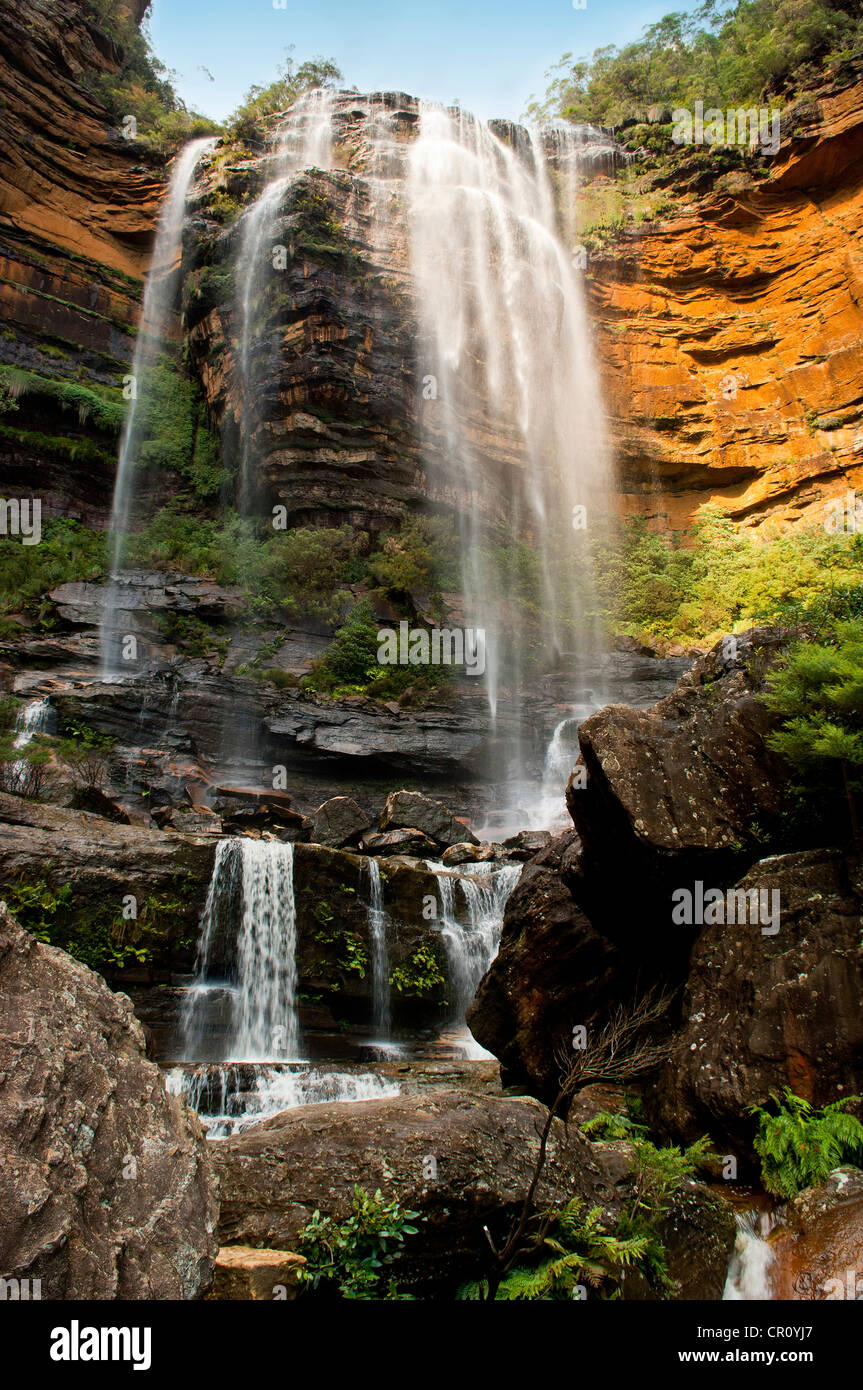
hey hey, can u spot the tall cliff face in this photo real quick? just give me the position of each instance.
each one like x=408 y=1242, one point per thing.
x=331 y=396
x=78 y=205
x=732 y=333
x=729 y=332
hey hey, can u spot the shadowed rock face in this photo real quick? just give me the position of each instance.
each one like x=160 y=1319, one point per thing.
x=677 y=794
x=552 y=972
x=766 y=1011
x=682 y=791
x=106 y=1190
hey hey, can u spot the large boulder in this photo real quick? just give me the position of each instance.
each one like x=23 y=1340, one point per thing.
x=106 y=1190
x=339 y=822
x=461 y=1160
x=818 y=1247
x=765 y=1009
x=552 y=972
x=406 y=810
x=684 y=790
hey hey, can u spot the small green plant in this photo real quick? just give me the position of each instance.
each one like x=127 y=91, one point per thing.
x=576 y=1250
x=799 y=1146
x=658 y=1175
x=420 y=974
x=350 y=1259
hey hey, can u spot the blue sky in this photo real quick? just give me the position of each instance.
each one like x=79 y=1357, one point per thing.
x=488 y=54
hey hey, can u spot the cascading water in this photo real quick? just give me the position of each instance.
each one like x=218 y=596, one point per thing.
x=247 y=957
x=231 y=1098
x=749 y=1268
x=160 y=294
x=250 y=907
x=302 y=141
x=33 y=719
x=381 y=1019
x=471 y=947
x=505 y=347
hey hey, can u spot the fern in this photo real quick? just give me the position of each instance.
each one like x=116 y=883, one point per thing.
x=799 y=1146
x=580 y=1252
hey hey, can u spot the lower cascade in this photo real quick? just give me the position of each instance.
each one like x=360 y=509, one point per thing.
x=471 y=947
x=253 y=881
x=381 y=1018
x=233 y=1097
x=749 y=1268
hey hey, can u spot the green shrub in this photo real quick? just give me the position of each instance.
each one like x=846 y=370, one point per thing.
x=723 y=54
x=719 y=577
x=67 y=552
x=290 y=82
x=817 y=693
x=800 y=1146
x=577 y=1250
x=353 y=651
x=659 y=1174
x=350 y=1259
x=420 y=974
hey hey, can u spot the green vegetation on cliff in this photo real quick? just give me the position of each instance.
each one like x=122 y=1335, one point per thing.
x=142 y=87
x=723 y=54
x=67 y=551
x=720 y=577
x=289 y=83
x=817 y=692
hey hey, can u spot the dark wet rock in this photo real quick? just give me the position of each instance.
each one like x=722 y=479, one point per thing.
x=189 y=820
x=818 y=1246
x=103 y=863
x=553 y=971
x=339 y=822
x=685 y=790
x=766 y=1009
x=95 y=801
x=407 y=842
x=527 y=844
x=106 y=1190
x=406 y=809
x=697 y=1232
x=462 y=1160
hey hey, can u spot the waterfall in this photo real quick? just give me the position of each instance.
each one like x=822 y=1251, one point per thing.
x=160 y=293
x=749 y=1268
x=380 y=955
x=248 y=922
x=33 y=719
x=471 y=948
x=303 y=141
x=506 y=351
x=231 y=1098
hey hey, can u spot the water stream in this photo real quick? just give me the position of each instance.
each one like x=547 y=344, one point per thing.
x=472 y=944
x=749 y=1267
x=513 y=431
x=381 y=1019
x=160 y=294
x=247 y=952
